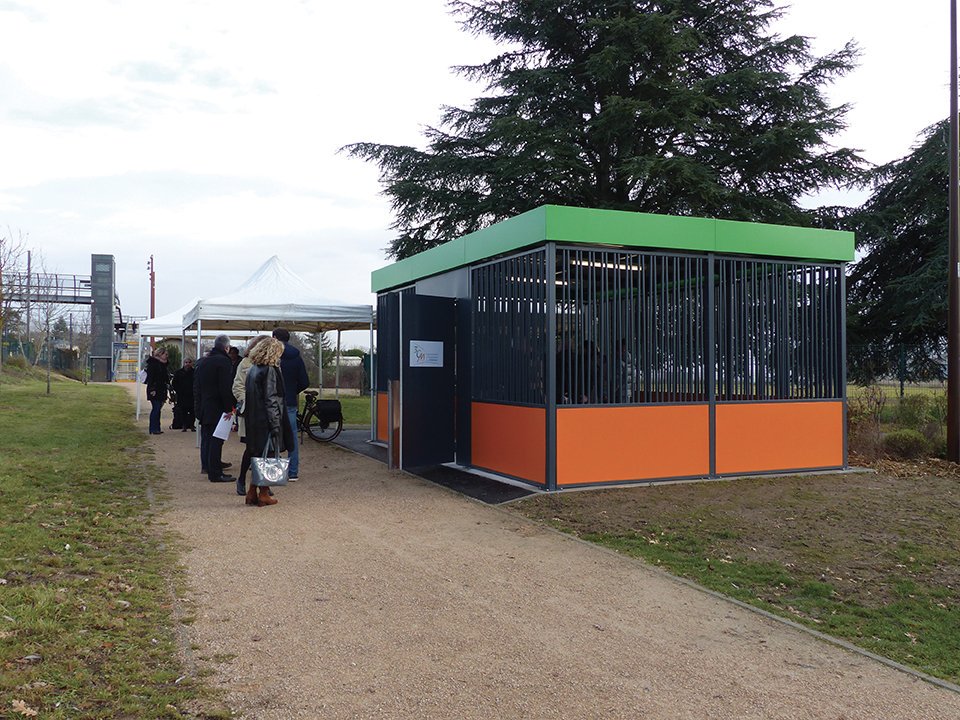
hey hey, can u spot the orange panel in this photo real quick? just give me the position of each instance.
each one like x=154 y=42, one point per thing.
x=509 y=439
x=632 y=443
x=779 y=436
x=383 y=424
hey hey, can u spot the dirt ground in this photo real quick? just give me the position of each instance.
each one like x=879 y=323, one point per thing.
x=367 y=593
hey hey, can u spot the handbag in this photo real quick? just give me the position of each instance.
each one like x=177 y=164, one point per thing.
x=270 y=471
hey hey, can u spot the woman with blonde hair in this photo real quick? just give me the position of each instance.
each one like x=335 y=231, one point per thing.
x=240 y=393
x=265 y=411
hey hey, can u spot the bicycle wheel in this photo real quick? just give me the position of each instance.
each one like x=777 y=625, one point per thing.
x=322 y=430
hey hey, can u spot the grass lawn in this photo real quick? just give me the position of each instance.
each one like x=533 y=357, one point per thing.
x=87 y=576
x=356 y=410
x=870 y=558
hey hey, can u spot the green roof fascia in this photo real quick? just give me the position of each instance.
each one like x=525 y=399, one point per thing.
x=785 y=241
x=512 y=234
x=632 y=229
x=629 y=229
x=421 y=265
x=619 y=228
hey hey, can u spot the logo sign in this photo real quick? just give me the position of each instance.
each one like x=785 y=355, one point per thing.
x=426 y=353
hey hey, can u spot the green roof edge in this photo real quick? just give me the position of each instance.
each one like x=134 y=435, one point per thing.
x=559 y=223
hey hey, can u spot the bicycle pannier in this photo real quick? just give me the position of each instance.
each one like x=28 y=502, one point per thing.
x=329 y=411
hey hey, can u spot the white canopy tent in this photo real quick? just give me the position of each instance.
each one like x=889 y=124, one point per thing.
x=275 y=296
x=166 y=326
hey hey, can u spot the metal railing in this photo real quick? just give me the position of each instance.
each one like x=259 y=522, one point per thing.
x=21 y=287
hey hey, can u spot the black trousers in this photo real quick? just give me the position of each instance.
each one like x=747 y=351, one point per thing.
x=213 y=447
x=188 y=419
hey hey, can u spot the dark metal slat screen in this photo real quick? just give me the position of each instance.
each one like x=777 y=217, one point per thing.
x=778 y=330
x=386 y=342
x=388 y=336
x=631 y=327
x=510 y=330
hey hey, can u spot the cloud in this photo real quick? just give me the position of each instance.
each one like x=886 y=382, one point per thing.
x=187 y=68
x=111 y=112
x=18 y=8
x=150 y=72
x=10 y=202
x=229 y=218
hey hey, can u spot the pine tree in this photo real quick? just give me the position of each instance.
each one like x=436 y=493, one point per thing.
x=671 y=106
x=897 y=299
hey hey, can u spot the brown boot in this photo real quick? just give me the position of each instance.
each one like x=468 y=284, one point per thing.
x=251 y=498
x=265 y=498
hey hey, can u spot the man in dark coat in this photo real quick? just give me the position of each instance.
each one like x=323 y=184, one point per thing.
x=183 y=389
x=213 y=396
x=294 y=382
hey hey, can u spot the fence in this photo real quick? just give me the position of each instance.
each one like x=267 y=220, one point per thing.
x=61 y=359
x=897 y=366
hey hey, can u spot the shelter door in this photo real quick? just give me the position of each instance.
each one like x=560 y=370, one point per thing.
x=427 y=380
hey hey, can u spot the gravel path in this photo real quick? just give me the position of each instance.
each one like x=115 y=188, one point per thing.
x=367 y=593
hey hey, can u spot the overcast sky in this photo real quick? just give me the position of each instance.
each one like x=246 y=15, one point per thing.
x=205 y=133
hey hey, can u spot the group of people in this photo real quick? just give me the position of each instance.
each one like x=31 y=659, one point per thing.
x=261 y=389
x=178 y=388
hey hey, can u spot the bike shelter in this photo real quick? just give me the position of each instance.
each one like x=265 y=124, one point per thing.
x=571 y=347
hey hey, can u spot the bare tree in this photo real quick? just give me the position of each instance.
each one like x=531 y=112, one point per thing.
x=82 y=339
x=44 y=309
x=12 y=248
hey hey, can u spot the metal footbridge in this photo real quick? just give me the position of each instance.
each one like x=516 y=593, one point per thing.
x=57 y=288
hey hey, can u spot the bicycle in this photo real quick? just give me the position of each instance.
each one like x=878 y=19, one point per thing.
x=322 y=419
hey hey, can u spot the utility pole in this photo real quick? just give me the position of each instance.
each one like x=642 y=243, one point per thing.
x=28 y=296
x=49 y=354
x=953 y=270
x=153 y=295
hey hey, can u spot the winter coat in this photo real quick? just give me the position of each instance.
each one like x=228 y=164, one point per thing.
x=264 y=410
x=240 y=392
x=294 y=374
x=211 y=387
x=183 y=387
x=158 y=379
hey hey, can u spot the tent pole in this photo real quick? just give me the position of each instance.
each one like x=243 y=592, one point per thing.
x=320 y=361
x=139 y=361
x=337 y=391
x=196 y=421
